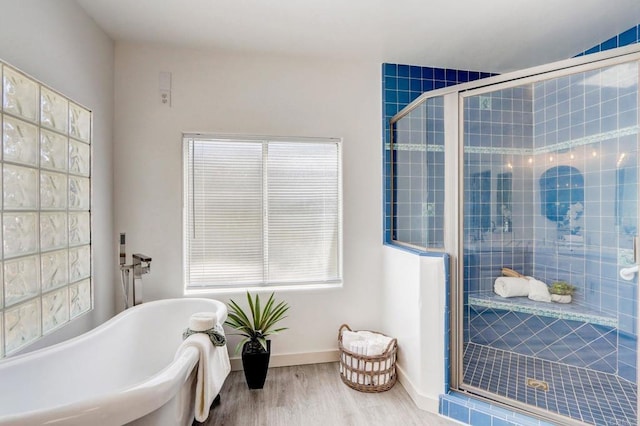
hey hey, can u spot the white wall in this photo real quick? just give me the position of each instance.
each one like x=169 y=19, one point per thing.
x=250 y=94
x=58 y=44
x=414 y=293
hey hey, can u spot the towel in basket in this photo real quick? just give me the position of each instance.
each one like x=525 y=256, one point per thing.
x=363 y=365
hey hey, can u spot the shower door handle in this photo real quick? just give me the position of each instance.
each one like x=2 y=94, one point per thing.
x=636 y=241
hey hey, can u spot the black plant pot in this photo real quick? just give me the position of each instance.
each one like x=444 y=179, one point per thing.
x=255 y=362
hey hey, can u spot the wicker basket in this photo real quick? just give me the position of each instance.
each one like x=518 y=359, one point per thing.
x=368 y=373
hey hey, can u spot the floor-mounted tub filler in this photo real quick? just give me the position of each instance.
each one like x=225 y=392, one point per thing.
x=123 y=372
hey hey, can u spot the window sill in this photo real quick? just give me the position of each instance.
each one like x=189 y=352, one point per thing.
x=263 y=289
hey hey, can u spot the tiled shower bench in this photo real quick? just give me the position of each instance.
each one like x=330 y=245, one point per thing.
x=566 y=333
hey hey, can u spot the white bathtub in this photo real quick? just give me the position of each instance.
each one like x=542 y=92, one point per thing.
x=121 y=372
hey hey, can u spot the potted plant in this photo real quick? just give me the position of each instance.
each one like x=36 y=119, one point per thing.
x=561 y=292
x=255 y=326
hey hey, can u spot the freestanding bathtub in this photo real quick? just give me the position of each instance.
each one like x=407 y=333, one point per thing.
x=122 y=372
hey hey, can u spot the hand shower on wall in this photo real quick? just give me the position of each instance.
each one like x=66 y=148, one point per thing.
x=140 y=265
x=629 y=273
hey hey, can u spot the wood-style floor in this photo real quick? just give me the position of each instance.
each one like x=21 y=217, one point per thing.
x=310 y=395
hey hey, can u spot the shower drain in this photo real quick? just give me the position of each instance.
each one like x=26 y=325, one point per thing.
x=537 y=384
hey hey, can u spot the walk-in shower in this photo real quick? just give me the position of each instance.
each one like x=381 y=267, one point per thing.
x=546 y=167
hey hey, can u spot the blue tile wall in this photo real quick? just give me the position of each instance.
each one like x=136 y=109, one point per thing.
x=625 y=38
x=587 y=124
x=480 y=413
x=495 y=126
x=402 y=84
x=560 y=340
x=606 y=111
x=447 y=320
x=418 y=176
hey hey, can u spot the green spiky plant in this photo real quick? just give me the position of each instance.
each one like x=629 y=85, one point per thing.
x=260 y=322
x=562 y=288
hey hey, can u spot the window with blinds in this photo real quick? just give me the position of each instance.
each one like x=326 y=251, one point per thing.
x=261 y=212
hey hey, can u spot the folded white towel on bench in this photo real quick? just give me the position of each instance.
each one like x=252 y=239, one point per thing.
x=520 y=287
x=511 y=287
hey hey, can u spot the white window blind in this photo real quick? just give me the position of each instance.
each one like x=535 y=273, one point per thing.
x=261 y=212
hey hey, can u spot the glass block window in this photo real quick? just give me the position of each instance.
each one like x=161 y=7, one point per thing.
x=417 y=170
x=45 y=268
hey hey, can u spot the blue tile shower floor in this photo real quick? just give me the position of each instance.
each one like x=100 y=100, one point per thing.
x=586 y=395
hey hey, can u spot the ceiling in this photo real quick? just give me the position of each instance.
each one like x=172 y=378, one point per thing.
x=490 y=35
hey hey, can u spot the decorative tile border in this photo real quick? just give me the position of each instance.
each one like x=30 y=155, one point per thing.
x=415 y=147
x=587 y=140
x=498 y=150
x=560 y=146
x=625 y=257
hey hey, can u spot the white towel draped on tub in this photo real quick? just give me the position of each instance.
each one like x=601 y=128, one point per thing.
x=511 y=287
x=212 y=369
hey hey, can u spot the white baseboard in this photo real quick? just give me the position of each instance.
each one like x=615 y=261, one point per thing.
x=422 y=401
x=285 y=360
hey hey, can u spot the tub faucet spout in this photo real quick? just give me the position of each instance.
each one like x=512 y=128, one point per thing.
x=141 y=264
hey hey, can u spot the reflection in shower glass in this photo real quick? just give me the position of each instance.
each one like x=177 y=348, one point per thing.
x=563 y=153
x=418 y=176
x=503 y=200
x=480 y=194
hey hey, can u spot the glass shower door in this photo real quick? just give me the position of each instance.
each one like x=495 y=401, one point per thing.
x=550 y=178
